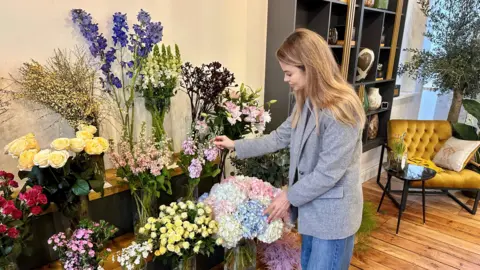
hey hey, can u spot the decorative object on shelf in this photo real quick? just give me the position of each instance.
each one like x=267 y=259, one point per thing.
x=382 y=4
x=341 y=35
x=370 y=3
x=372 y=131
x=397 y=154
x=366 y=57
x=85 y=247
x=374 y=98
x=396 y=90
x=382 y=38
x=332 y=36
x=380 y=71
x=363 y=97
x=385 y=105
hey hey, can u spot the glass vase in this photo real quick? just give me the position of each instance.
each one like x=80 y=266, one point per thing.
x=397 y=162
x=242 y=257
x=9 y=266
x=189 y=263
x=145 y=206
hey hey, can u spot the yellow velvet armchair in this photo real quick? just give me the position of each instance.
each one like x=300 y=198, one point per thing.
x=423 y=140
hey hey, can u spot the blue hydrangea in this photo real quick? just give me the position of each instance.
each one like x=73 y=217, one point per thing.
x=203 y=197
x=250 y=215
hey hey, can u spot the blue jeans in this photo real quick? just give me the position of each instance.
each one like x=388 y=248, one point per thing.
x=319 y=254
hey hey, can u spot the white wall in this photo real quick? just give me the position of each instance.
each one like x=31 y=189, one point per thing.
x=232 y=32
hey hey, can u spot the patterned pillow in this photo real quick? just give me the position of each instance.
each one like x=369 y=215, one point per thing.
x=455 y=154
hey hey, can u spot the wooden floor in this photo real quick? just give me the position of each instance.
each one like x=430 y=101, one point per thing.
x=450 y=239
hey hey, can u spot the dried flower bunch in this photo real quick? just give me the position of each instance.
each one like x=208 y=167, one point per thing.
x=204 y=85
x=65 y=85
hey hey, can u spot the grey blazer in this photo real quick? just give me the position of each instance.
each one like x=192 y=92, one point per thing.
x=327 y=198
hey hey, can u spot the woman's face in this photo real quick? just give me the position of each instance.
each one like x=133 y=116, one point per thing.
x=294 y=76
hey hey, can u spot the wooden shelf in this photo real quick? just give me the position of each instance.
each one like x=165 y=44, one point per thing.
x=379 y=10
x=385 y=48
x=339 y=46
x=376 y=111
x=373 y=82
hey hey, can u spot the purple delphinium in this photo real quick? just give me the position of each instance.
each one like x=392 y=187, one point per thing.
x=189 y=147
x=143 y=17
x=120 y=29
x=146 y=35
x=195 y=168
x=97 y=43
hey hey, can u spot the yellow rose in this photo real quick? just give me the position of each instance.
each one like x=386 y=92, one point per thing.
x=190 y=228
x=212 y=224
x=208 y=210
x=157 y=253
x=151 y=220
x=163 y=207
x=178 y=238
x=103 y=142
x=178 y=223
x=163 y=242
x=77 y=145
x=185 y=235
x=171 y=248
x=201 y=212
x=57 y=159
x=89 y=128
x=92 y=147
x=41 y=158
x=24 y=143
x=185 y=245
x=82 y=134
x=204 y=234
x=178 y=250
x=25 y=161
x=60 y=144
x=163 y=230
x=162 y=250
x=210 y=231
x=196 y=249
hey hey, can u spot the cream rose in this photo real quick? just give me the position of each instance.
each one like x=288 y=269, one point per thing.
x=103 y=142
x=25 y=161
x=57 y=159
x=89 y=128
x=93 y=147
x=32 y=142
x=24 y=143
x=82 y=134
x=41 y=158
x=77 y=145
x=60 y=144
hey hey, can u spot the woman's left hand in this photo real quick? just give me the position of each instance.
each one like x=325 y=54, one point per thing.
x=279 y=207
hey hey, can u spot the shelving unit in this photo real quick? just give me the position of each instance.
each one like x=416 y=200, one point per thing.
x=380 y=30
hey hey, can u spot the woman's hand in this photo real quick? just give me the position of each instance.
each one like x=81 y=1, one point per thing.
x=279 y=207
x=223 y=142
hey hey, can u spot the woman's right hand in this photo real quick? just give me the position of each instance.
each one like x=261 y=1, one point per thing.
x=223 y=142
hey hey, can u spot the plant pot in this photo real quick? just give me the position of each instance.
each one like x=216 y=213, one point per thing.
x=242 y=257
x=397 y=162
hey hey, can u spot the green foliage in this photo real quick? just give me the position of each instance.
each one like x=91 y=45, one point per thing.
x=368 y=225
x=467 y=132
x=272 y=168
x=453 y=63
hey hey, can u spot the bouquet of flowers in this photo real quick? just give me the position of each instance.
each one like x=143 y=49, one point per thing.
x=15 y=217
x=181 y=230
x=159 y=79
x=134 y=256
x=239 y=113
x=238 y=204
x=197 y=160
x=85 y=248
x=128 y=54
x=146 y=169
x=70 y=169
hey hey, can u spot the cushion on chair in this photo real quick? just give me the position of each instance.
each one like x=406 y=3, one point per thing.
x=451 y=179
x=423 y=138
x=455 y=154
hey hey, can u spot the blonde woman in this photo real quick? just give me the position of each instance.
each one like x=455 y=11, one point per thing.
x=324 y=136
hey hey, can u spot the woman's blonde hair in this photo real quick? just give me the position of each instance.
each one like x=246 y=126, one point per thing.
x=325 y=87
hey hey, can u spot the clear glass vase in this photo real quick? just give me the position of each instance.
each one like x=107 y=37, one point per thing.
x=9 y=266
x=189 y=263
x=241 y=257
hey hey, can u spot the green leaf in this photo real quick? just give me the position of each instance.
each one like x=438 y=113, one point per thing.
x=465 y=132
x=16 y=223
x=216 y=172
x=97 y=185
x=160 y=179
x=87 y=174
x=169 y=187
x=81 y=187
x=472 y=107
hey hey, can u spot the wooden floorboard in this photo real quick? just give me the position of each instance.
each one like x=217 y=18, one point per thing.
x=450 y=238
